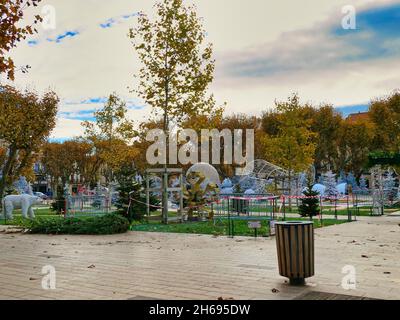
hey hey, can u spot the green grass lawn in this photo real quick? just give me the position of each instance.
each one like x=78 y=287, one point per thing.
x=220 y=228
x=18 y=220
x=44 y=213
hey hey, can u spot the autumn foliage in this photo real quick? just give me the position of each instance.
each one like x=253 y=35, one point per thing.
x=26 y=120
x=11 y=31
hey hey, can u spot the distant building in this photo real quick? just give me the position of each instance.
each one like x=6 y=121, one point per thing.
x=41 y=183
x=358 y=117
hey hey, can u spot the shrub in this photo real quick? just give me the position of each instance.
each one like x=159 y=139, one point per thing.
x=310 y=205
x=108 y=224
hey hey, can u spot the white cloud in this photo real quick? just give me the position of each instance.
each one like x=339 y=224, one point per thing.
x=100 y=61
x=67 y=128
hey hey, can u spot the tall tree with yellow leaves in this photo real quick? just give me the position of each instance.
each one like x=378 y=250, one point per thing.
x=293 y=145
x=61 y=161
x=26 y=121
x=110 y=135
x=384 y=114
x=177 y=68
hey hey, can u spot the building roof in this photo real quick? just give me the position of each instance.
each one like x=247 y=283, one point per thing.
x=358 y=117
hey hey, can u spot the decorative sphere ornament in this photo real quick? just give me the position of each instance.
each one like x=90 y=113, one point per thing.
x=208 y=171
x=320 y=188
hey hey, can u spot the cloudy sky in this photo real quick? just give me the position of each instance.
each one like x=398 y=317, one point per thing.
x=264 y=50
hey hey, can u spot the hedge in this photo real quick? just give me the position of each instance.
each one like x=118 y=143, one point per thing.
x=383 y=158
x=107 y=224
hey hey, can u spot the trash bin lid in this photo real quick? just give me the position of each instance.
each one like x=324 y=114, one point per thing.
x=294 y=223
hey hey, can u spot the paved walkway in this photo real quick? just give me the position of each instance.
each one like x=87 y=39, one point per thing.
x=140 y=265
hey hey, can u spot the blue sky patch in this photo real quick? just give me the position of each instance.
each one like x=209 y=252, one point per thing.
x=83 y=115
x=94 y=100
x=377 y=37
x=59 y=140
x=373 y=38
x=109 y=23
x=33 y=43
x=94 y=103
x=63 y=36
x=347 y=110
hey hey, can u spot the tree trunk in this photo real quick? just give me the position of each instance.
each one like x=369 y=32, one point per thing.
x=290 y=191
x=166 y=132
x=6 y=171
x=165 y=175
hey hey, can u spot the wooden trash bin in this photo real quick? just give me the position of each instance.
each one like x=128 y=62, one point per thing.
x=295 y=247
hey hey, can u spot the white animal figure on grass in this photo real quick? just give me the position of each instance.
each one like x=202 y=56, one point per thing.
x=23 y=202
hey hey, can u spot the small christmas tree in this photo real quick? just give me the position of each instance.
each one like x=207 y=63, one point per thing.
x=389 y=186
x=342 y=177
x=131 y=202
x=309 y=206
x=237 y=189
x=363 y=184
x=22 y=186
x=302 y=183
x=351 y=180
x=98 y=198
x=330 y=184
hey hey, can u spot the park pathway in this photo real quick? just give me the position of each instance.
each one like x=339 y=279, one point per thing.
x=140 y=265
